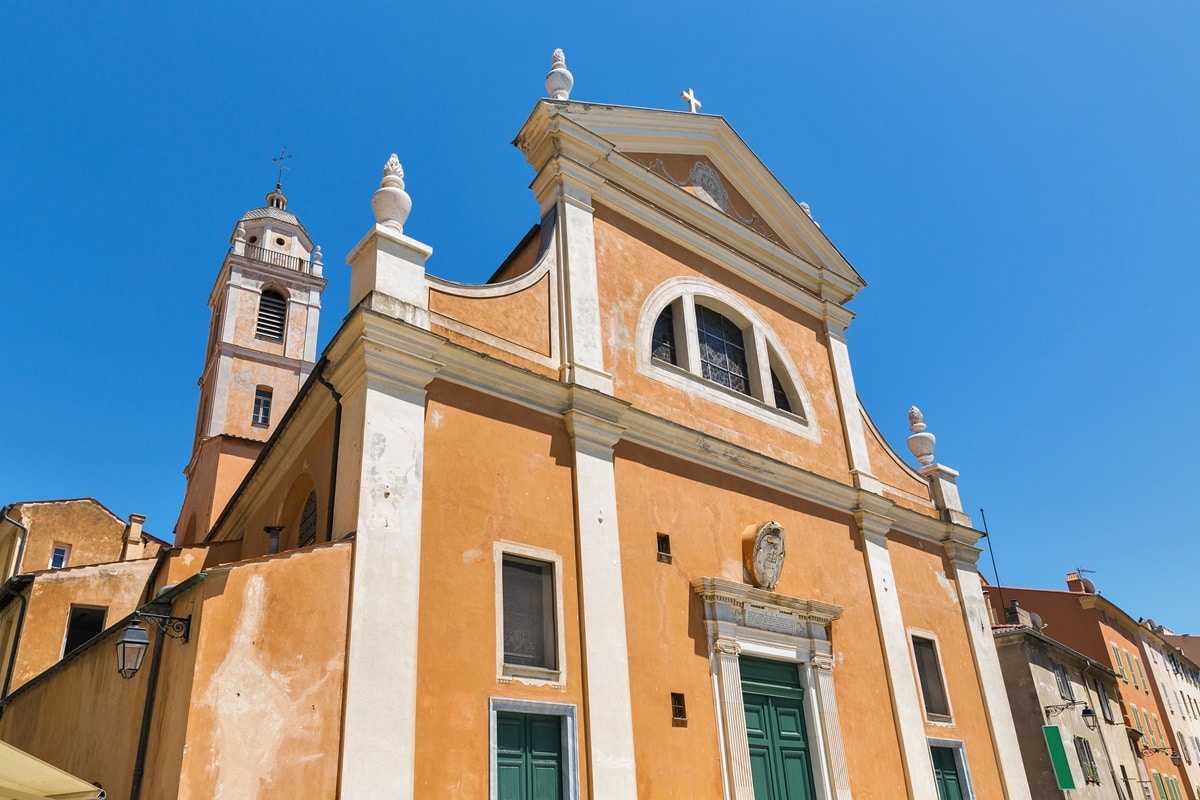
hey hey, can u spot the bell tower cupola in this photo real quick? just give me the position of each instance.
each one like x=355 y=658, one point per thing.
x=262 y=346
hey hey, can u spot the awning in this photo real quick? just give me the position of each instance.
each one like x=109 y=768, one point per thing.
x=23 y=777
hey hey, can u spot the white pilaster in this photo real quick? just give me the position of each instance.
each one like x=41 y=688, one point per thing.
x=386 y=417
x=852 y=424
x=902 y=682
x=838 y=772
x=579 y=312
x=609 y=715
x=987 y=667
x=737 y=744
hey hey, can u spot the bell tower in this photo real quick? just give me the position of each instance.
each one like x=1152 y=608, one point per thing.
x=262 y=345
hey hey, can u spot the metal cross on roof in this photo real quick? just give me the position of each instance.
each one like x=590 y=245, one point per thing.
x=689 y=97
x=279 y=162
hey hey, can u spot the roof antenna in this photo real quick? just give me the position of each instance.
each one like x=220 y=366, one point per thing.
x=992 y=553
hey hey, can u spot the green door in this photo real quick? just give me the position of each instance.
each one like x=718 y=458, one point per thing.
x=528 y=757
x=775 y=728
x=945 y=772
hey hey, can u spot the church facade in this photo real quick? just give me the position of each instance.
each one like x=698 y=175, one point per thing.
x=612 y=525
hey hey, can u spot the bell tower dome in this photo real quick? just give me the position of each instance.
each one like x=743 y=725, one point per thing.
x=262 y=346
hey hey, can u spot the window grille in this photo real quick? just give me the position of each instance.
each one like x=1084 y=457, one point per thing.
x=678 y=708
x=528 y=592
x=663 y=344
x=722 y=350
x=272 y=311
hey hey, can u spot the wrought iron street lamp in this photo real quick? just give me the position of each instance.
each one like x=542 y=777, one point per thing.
x=134 y=641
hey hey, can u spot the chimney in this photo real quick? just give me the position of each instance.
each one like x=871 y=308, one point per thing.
x=132 y=549
x=1074 y=582
x=1017 y=615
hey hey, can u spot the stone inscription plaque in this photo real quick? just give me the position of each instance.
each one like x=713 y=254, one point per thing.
x=770 y=619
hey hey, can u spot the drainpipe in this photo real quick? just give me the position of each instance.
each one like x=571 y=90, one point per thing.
x=24 y=537
x=337 y=437
x=139 y=762
x=273 y=532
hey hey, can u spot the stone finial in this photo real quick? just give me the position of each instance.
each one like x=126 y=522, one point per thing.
x=240 y=234
x=317 y=266
x=390 y=202
x=808 y=212
x=921 y=444
x=559 y=80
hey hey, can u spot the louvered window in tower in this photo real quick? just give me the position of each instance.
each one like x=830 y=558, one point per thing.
x=722 y=350
x=308 y=522
x=272 y=311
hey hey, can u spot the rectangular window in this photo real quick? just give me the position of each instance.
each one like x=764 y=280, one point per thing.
x=1162 y=740
x=262 y=406
x=1064 y=683
x=664 y=548
x=1086 y=762
x=59 y=556
x=678 y=707
x=1117 y=662
x=1102 y=698
x=530 y=640
x=933 y=690
x=83 y=622
x=1158 y=784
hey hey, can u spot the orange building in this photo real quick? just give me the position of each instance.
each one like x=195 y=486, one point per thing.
x=1086 y=622
x=611 y=525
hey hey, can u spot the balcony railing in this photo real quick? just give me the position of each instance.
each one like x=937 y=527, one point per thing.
x=278 y=259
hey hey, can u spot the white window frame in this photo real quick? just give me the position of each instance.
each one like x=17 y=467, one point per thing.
x=570 y=739
x=960 y=761
x=508 y=673
x=932 y=719
x=764 y=351
x=66 y=548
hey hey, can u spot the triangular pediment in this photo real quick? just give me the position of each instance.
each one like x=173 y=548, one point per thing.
x=700 y=155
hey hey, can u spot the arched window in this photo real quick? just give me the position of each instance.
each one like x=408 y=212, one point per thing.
x=272 y=312
x=262 y=406
x=307 y=531
x=712 y=336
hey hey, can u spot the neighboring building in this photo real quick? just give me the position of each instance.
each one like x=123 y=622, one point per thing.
x=1073 y=739
x=71 y=569
x=612 y=525
x=1082 y=620
x=1176 y=678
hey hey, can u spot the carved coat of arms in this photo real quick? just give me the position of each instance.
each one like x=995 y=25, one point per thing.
x=765 y=561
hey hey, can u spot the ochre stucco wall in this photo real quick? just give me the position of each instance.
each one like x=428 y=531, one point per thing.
x=94 y=534
x=493 y=471
x=705 y=514
x=266 y=697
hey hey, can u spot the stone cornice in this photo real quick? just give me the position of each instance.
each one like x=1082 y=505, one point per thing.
x=715 y=592
x=593 y=419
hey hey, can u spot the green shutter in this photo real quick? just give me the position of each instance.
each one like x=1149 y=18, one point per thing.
x=1158 y=784
x=528 y=757
x=945 y=773
x=1058 y=757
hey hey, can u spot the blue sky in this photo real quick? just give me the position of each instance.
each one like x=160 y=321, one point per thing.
x=1017 y=182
